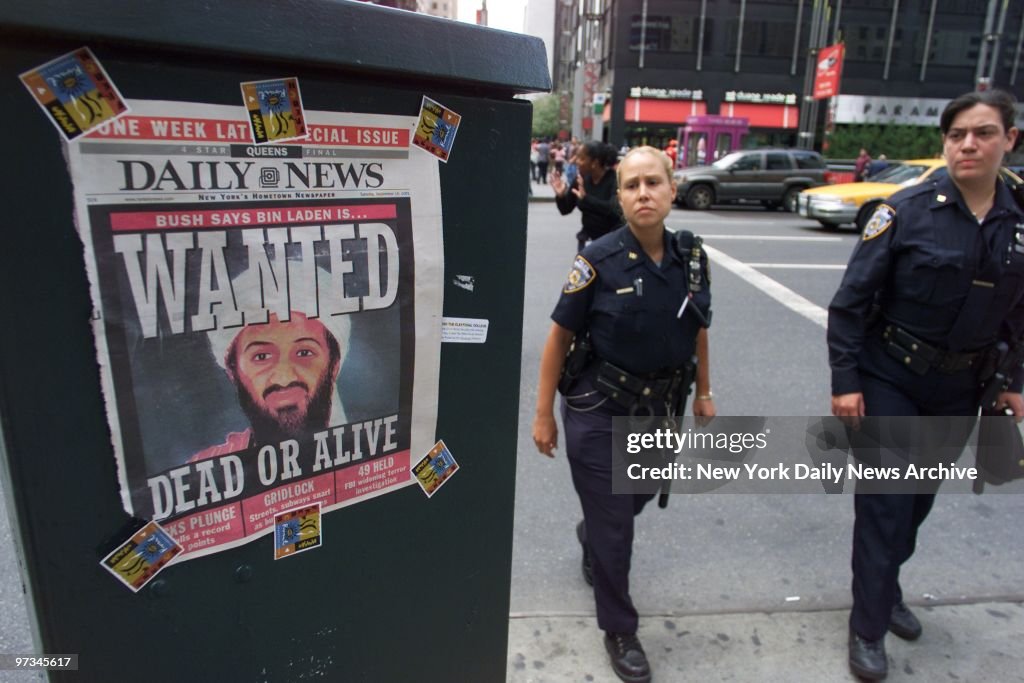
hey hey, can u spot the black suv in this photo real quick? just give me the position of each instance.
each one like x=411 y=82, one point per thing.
x=773 y=177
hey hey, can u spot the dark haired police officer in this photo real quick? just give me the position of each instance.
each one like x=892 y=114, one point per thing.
x=642 y=295
x=943 y=263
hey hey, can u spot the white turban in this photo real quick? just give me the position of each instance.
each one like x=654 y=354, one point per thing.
x=255 y=298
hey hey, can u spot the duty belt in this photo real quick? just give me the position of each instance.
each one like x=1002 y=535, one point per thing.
x=921 y=356
x=628 y=389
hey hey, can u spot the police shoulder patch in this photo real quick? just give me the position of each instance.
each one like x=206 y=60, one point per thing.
x=581 y=275
x=880 y=221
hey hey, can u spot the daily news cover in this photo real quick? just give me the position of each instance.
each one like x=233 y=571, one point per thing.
x=267 y=317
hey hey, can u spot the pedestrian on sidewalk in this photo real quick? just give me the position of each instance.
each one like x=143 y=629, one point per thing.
x=639 y=298
x=593 y=192
x=876 y=166
x=543 y=159
x=534 y=159
x=860 y=165
x=943 y=264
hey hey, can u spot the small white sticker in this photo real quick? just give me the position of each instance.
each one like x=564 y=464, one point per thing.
x=464 y=330
x=466 y=282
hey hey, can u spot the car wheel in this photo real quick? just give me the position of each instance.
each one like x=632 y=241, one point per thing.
x=789 y=200
x=864 y=215
x=700 y=197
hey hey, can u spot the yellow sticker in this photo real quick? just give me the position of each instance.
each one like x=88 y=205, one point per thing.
x=436 y=129
x=136 y=561
x=75 y=92
x=581 y=275
x=297 y=530
x=880 y=221
x=275 y=110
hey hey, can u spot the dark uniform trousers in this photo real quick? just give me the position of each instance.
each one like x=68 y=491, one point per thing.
x=608 y=517
x=885 y=529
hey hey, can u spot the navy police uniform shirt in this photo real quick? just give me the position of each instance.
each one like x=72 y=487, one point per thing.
x=631 y=305
x=922 y=252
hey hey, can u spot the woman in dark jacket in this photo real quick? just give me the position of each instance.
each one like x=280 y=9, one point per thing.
x=944 y=264
x=593 y=192
x=641 y=295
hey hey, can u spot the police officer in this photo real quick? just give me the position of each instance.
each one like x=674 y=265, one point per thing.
x=626 y=293
x=943 y=264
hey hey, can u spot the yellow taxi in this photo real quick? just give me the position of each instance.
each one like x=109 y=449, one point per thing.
x=834 y=205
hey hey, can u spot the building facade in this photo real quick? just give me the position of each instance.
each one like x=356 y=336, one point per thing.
x=409 y=5
x=448 y=9
x=656 y=62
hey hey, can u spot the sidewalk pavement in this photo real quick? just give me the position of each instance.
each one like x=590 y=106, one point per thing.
x=541 y=192
x=976 y=641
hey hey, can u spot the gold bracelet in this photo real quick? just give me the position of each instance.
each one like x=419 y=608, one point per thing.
x=705 y=397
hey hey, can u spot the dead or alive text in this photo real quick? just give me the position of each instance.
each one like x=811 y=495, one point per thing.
x=216 y=480
x=157 y=270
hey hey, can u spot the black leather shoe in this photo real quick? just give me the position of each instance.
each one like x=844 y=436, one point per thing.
x=628 y=658
x=903 y=623
x=588 y=568
x=867 y=657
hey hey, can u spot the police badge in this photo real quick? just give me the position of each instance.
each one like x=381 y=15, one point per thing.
x=880 y=221
x=581 y=275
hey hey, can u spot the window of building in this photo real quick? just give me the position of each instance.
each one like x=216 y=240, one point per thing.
x=951 y=47
x=868 y=43
x=972 y=7
x=668 y=33
x=762 y=38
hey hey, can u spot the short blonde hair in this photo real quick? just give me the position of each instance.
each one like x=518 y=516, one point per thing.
x=646 y=149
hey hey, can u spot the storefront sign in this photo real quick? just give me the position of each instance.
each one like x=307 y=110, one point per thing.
x=911 y=111
x=760 y=97
x=665 y=93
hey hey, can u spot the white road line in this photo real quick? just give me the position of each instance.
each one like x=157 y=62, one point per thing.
x=762 y=282
x=770 y=238
x=802 y=223
x=799 y=266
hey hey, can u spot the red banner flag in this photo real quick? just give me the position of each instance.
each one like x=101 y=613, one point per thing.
x=828 y=71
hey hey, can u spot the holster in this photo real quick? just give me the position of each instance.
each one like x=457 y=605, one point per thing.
x=576 y=361
x=1000 y=456
x=996 y=373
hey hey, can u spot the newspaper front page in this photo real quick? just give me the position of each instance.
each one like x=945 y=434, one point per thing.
x=267 y=317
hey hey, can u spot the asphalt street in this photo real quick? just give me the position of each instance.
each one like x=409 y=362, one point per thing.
x=729 y=587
